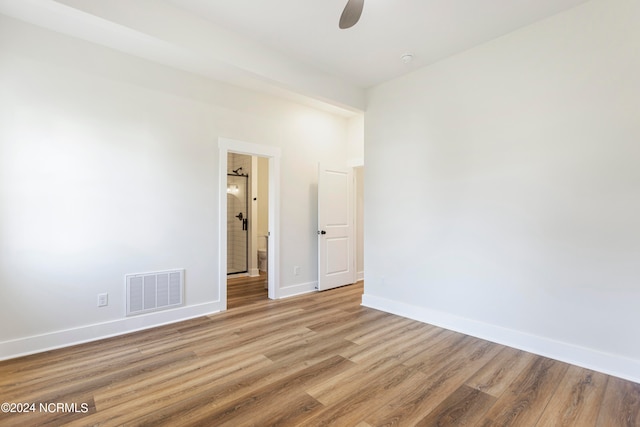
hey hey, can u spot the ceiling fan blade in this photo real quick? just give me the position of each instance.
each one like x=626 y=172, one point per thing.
x=351 y=13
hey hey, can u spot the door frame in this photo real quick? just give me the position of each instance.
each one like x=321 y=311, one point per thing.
x=226 y=146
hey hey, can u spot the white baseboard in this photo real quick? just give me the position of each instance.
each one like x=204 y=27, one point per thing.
x=360 y=276
x=607 y=363
x=253 y=272
x=50 y=341
x=302 y=288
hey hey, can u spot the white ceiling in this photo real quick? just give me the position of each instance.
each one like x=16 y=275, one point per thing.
x=369 y=53
x=292 y=48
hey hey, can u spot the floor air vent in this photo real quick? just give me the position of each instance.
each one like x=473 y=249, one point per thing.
x=154 y=291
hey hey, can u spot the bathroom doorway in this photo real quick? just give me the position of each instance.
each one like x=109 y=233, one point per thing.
x=249 y=243
x=247 y=215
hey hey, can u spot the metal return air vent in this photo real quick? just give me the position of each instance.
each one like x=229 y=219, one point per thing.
x=154 y=291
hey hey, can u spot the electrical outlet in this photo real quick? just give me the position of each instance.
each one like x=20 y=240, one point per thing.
x=296 y=270
x=103 y=300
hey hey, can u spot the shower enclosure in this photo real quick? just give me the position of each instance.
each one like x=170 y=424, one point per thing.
x=237 y=222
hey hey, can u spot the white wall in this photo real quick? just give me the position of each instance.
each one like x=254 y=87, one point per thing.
x=355 y=140
x=108 y=166
x=503 y=189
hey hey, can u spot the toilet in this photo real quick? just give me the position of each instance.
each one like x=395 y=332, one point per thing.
x=262 y=260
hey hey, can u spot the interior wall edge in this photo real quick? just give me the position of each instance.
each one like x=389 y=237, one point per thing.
x=12 y=349
x=607 y=363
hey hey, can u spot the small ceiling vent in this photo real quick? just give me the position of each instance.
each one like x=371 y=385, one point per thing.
x=155 y=291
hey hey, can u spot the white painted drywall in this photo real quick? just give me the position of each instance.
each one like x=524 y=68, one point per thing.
x=355 y=140
x=503 y=189
x=108 y=166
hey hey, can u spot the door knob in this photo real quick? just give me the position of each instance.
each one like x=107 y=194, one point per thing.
x=322 y=232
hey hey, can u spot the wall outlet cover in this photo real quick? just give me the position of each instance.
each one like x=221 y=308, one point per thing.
x=103 y=300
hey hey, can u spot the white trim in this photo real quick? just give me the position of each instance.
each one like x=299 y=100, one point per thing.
x=225 y=146
x=299 y=289
x=68 y=337
x=252 y=262
x=356 y=228
x=607 y=363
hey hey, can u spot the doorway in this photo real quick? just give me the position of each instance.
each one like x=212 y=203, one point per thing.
x=270 y=235
x=247 y=229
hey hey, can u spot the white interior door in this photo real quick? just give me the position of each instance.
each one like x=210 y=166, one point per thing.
x=336 y=263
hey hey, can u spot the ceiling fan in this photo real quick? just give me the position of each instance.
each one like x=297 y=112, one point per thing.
x=351 y=14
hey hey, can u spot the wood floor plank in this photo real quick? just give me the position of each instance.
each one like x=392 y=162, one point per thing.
x=82 y=383
x=278 y=400
x=497 y=375
x=116 y=410
x=152 y=389
x=345 y=321
x=577 y=399
x=620 y=405
x=439 y=351
x=373 y=331
x=346 y=406
x=246 y=290
x=254 y=342
x=523 y=403
x=310 y=360
x=310 y=349
x=400 y=345
x=416 y=403
x=51 y=365
x=466 y=406
x=351 y=382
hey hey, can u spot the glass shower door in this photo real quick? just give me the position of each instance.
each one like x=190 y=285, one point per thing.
x=237 y=224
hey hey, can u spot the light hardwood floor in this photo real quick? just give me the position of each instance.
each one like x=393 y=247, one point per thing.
x=319 y=359
x=243 y=291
